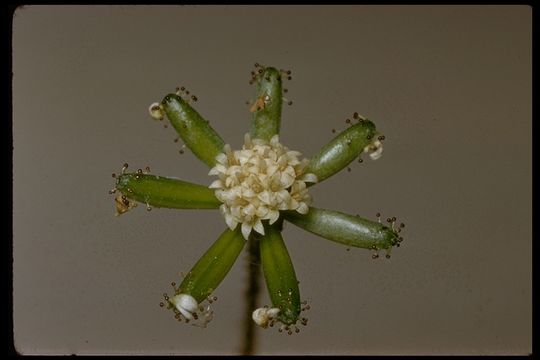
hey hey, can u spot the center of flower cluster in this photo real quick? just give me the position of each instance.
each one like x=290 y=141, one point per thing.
x=255 y=183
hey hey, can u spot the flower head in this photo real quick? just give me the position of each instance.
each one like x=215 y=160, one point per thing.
x=255 y=183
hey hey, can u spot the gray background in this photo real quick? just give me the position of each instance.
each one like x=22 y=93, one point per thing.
x=450 y=87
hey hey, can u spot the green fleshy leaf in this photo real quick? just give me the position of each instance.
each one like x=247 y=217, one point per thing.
x=342 y=150
x=280 y=276
x=267 y=108
x=165 y=192
x=345 y=229
x=213 y=266
x=194 y=130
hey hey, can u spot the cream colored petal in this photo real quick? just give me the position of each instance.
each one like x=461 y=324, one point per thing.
x=221 y=168
x=273 y=156
x=262 y=212
x=275 y=181
x=254 y=161
x=283 y=195
x=229 y=182
x=249 y=210
x=293 y=162
x=303 y=208
x=282 y=161
x=271 y=169
x=286 y=180
x=246 y=230
x=274 y=140
x=234 y=171
x=284 y=206
x=220 y=195
x=231 y=222
x=213 y=171
x=301 y=187
x=290 y=170
x=293 y=154
x=299 y=168
x=258 y=227
x=227 y=150
x=248 y=193
x=236 y=211
x=272 y=216
x=243 y=159
x=293 y=204
x=222 y=159
x=258 y=142
x=265 y=197
x=232 y=195
x=216 y=185
x=224 y=209
x=260 y=149
x=309 y=177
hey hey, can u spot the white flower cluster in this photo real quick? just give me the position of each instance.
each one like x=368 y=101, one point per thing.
x=255 y=183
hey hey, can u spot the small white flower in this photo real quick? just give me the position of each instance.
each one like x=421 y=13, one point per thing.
x=255 y=183
x=263 y=316
x=156 y=111
x=186 y=304
x=375 y=149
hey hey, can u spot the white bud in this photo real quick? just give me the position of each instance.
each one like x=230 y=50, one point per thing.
x=156 y=111
x=374 y=149
x=186 y=304
x=262 y=316
x=377 y=153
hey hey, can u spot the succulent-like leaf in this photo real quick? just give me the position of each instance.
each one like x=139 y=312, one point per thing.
x=345 y=229
x=165 y=192
x=194 y=130
x=279 y=275
x=267 y=107
x=213 y=266
x=341 y=150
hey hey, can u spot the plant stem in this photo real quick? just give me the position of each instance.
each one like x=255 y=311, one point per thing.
x=252 y=292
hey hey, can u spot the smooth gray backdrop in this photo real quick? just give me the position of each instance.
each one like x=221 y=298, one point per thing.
x=449 y=86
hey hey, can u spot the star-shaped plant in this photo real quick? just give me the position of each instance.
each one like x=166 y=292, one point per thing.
x=257 y=188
